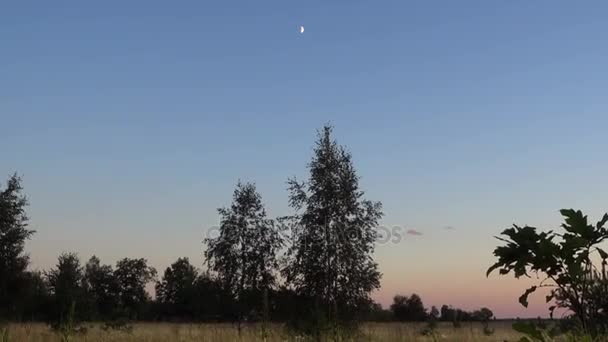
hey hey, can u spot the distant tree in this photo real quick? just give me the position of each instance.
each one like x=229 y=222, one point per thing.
x=376 y=313
x=464 y=315
x=177 y=288
x=333 y=235
x=35 y=301
x=450 y=314
x=244 y=254
x=102 y=288
x=416 y=309
x=408 y=308
x=67 y=290
x=212 y=301
x=13 y=234
x=132 y=276
x=446 y=313
x=399 y=308
x=565 y=264
x=482 y=315
x=456 y=315
x=434 y=313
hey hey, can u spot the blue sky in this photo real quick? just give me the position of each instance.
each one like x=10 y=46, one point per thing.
x=136 y=119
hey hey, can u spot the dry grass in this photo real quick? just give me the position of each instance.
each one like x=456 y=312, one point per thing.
x=157 y=332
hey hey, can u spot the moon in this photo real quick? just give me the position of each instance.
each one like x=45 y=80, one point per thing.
x=301 y=29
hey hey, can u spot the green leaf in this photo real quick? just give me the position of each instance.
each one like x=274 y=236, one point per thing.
x=523 y=299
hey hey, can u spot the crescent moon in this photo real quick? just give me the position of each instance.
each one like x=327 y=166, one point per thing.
x=301 y=29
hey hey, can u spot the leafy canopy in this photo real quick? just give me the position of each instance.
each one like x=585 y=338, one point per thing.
x=333 y=233
x=13 y=234
x=566 y=261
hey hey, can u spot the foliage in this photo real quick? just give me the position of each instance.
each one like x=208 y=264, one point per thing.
x=333 y=234
x=13 y=234
x=244 y=254
x=34 y=298
x=328 y=268
x=102 y=288
x=178 y=287
x=434 y=314
x=566 y=263
x=375 y=313
x=212 y=301
x=408 y=308
x=536 y=332
x=132 y=276
x=532 y=332
x=67 y=290
x=482 y=315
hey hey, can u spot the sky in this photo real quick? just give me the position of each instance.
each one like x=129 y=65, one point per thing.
x=130 y=123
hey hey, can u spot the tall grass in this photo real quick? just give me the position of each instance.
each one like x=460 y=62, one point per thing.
x=157 y=332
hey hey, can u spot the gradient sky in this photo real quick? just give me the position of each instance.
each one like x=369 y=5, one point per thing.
x=131 y=122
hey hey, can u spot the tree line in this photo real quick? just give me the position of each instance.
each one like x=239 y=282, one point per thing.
x=100 y=292
x=313 y=268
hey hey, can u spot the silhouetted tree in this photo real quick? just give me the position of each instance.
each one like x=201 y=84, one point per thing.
x=102 y=288
x=177 y=289
x=13 y=233
x=448 y=313
x=376 y=313
x=67 y=290
x=408 y=308
x=399 y=307
x=333 y=236
x=132 y=276
x=416 y=309
x=456 y=315
x=34 y=300
x=482 y=315
x=213 y=302
x=244 y=253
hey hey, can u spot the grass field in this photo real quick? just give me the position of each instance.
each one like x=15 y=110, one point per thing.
x=154 y=332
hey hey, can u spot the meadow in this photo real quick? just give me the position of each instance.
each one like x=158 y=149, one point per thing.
x=157 y=332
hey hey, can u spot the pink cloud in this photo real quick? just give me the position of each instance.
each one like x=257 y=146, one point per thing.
x=414 y=232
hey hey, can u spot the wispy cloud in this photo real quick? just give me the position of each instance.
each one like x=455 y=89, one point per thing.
x=414 y=232
x=449 y=228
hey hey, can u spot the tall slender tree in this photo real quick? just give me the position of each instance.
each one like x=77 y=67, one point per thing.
x=13 y=234
x=244 y=253
x=333 y=235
